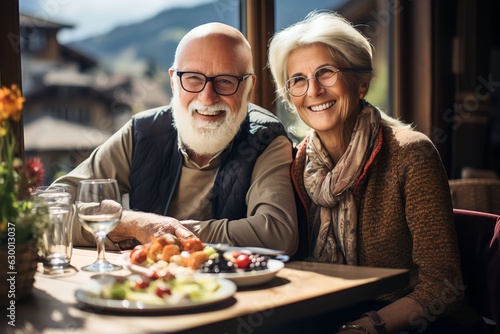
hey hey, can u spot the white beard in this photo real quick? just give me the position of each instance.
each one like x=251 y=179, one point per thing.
x=207 y=137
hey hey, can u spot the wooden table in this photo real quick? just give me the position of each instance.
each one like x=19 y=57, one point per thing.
x=301 y=289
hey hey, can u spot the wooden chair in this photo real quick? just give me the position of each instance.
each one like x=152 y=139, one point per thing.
x=477 y=194
x=479 y=242
x=475 y=173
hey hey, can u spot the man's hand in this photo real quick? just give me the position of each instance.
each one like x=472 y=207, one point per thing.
x=146 y=226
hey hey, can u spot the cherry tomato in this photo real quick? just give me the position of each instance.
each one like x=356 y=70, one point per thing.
x=153 y=275
x=242 y=260
x=140 y=284
x=162 y=290
x=138 y=255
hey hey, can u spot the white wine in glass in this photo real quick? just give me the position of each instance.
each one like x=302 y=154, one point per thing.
x=99 y=209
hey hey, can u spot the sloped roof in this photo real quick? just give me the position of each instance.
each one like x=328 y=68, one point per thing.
x=84 y=60
x=26 y=20
x=50 y=134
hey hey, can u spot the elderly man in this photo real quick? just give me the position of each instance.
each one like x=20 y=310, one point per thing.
x=209 y=164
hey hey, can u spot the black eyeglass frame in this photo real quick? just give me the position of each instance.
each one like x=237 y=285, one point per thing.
x=240 y=78
x=335 y=72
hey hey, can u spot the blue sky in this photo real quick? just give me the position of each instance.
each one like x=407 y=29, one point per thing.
x=92 y=17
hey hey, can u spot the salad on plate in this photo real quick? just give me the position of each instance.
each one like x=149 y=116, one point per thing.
x=139 y=292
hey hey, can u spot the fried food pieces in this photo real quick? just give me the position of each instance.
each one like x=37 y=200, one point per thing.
x=187 y=253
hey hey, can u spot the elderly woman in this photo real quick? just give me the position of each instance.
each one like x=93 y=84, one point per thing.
x=374 y=190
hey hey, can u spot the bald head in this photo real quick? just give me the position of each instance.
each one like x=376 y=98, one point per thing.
x=212 y=28
x=214 y=38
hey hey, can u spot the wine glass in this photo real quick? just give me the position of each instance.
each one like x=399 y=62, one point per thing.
x=99 y=209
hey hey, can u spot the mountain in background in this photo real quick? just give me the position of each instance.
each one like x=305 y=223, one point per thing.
x=153 y=41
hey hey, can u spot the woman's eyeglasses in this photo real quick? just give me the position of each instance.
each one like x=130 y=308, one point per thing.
x=325 y=76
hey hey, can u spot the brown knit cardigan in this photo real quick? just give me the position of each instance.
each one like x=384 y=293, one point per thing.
x=405 y=217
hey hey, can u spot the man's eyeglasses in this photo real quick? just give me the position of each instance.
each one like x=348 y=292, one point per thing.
x=224 y=84
x=325 y=76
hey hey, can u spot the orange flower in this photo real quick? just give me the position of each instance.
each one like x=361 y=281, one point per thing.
x=17 y=178
x=11 y=103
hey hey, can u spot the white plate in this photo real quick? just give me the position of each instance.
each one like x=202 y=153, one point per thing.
x=87 y=296
x=251 y=278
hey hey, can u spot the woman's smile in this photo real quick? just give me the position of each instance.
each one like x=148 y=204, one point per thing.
x=323 y=106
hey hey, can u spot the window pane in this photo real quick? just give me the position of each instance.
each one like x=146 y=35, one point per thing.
x=88 y=67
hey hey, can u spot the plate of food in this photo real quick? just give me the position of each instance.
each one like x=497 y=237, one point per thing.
x=242 y=277
x=242 y=266
x=141 y=293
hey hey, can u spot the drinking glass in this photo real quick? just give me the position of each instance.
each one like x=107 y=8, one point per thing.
x=55 y=245
x=99 y=209
x=47 y=189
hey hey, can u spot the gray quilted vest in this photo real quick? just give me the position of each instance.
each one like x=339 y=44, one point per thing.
x=157 y=162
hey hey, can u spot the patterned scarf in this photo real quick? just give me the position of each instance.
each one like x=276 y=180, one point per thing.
x=332 y=189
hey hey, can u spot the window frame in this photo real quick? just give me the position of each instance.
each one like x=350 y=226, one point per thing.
x=258 y=26
x=10 y=62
